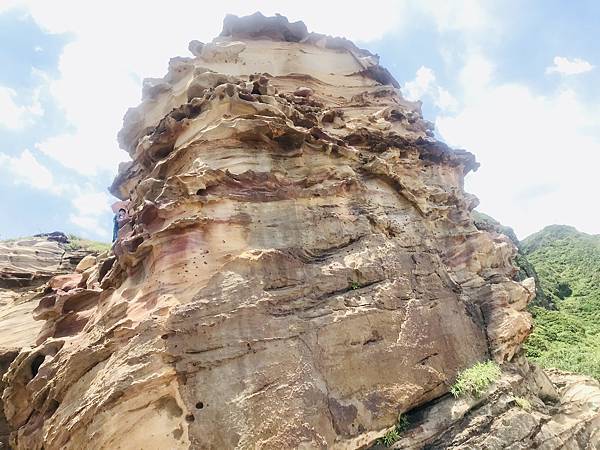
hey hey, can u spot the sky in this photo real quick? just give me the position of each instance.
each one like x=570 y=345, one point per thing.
x=517 y=83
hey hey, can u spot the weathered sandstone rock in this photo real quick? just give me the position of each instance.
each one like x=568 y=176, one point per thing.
x=86 y=263
x=301 y=265
x=25 y=265
x=31 y=261
x=525 y=409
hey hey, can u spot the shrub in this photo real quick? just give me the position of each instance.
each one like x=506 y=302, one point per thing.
x=354 y=285
x=475 y=380
x=403 y=423
x=390 y=438
x=393 y=435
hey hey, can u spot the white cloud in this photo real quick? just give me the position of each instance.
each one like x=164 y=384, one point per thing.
x=14 y=116
x=539 y=154
x=5 y=5
x=86 y=151
x=566 y=66
x=91 y=203
x=475 y=76
x=531 y=146
x=26 y=169
x=466 y=15
x=89 y=226
x=425 y=86
x=90 y=207
x=99 y=68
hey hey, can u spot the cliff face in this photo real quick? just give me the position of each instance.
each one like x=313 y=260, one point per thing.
x=301 y=265
x=26 y=264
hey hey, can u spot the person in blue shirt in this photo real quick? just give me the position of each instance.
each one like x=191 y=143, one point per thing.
x=118 y=221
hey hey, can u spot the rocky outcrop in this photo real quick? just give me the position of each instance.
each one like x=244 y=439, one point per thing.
x=526 y=270
x=526 y=409
x=301 y=263
x=25 y=265
x=31 y=261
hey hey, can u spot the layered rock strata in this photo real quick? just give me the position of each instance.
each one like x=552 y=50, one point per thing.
x=526 y=409
x=300 y=267
x=25 y=265
x=31 y=261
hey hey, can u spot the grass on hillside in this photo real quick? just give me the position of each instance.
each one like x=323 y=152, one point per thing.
x=78 y=243
x=475 y=380
x=75 y=243
x=568 y=265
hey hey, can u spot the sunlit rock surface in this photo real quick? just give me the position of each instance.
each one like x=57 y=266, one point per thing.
x=526 y=409
x=301 y=265
x=25 y=265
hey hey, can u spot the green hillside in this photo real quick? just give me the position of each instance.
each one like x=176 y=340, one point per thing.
x=79 y=243
x=568 y=266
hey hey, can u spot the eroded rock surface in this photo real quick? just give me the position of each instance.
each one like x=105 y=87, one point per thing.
x=526 y=409
x=31 y=261
x=25 y=265
x=300 y=267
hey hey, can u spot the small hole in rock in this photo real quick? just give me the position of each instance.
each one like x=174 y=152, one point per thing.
x=199 y=405
x=190 y=417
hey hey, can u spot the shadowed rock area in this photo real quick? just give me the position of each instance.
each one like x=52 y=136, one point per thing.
x=301 y=264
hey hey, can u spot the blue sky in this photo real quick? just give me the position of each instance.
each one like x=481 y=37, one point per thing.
x=517 y=83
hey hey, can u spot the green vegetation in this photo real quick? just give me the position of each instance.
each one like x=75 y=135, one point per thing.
x=77 y=243
x=390 y=438
x=475 y=380
x=522 y=403
x=568 y=265
x=403 y=423
x=566 y=310
x=393 y=434
x=354 y=285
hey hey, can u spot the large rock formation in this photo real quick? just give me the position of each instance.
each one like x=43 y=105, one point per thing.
x=301 y=265
x=25 y=265
x=526 y=408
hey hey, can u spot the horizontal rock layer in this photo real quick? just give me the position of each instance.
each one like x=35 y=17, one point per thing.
x=25 y=265
x=526 y=409
x=301 y=264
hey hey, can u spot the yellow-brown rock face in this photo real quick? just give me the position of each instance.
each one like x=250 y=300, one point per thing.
x=301 y=265
x=25 y=265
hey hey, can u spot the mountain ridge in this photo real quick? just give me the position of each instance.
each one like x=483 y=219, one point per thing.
x=567 y=262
